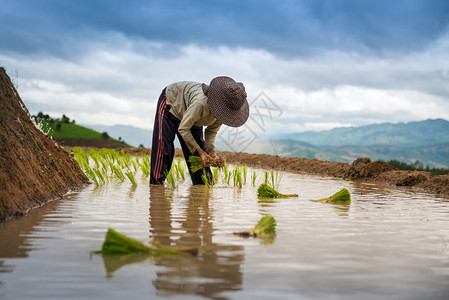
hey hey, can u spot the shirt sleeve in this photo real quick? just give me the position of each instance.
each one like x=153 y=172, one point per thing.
x=191 y=115
x=210 y=134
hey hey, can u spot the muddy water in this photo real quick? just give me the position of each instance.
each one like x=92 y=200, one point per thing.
x=387 y=244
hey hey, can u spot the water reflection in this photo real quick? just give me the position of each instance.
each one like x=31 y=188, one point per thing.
x=218 y=266
x=15 y=233
x=341 y=209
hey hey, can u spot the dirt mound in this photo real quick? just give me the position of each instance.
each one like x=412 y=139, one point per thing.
x=365 y=168
x=33 y=169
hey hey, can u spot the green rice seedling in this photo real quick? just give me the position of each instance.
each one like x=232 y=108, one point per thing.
x=206 y=180
x=253 y=178
x=104 y=164
x=225 y=173
x=99 y=175
x=275 y=179
x=135 y=163
x=116 y=243
x=341 y=197
x=228 y=177
x=131 y=178
x=244 y=174
x=266 y=191
x=81 y=157
x=265 y=226
x=182 y=167
x=92 y=176
x=195 y=163
x=145 y=166
x=118 y=173
x=216 y=175
x=125 y=162
x=179 y=169
x=170 y=179
x=237 y=176
x=266 y=176
x=95 y=157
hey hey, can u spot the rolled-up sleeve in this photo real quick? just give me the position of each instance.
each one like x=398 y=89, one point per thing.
x=210 y=134
x=191 y=115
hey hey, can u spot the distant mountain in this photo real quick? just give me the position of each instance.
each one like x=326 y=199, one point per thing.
x=434 y=156
x=133 y=136
x=413 y=134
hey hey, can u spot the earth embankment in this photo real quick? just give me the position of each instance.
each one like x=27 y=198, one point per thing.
x=33 y=168
x=362 y=169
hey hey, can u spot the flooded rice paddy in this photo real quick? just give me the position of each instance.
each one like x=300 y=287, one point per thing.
x=387 y=244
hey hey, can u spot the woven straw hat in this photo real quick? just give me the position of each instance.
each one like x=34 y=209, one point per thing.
x=227 y=101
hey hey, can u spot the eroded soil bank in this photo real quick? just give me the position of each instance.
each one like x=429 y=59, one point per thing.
x=33 y=168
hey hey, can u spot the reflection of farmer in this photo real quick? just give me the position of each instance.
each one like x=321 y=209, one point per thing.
x=216 y=270
x=183 y=108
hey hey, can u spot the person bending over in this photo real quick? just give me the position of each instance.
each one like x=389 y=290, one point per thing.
x=182 y=110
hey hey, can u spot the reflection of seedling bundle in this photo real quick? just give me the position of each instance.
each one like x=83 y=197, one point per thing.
x=341 y=197
x=267 y=191
x=196 y=164
x=265 y=226
x=118 y=244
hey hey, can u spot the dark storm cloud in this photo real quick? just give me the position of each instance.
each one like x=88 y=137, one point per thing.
x=285 y=28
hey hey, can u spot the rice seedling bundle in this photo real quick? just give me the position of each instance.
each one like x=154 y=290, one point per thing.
x=116 y=243
x=196 y=164
x=237 y=176
x=216 y=175
x=170 y=178
x=131 y=178
x=206 y=180
x=146 y=165
x=341 y=197
x=267 y=191
x=265 y=226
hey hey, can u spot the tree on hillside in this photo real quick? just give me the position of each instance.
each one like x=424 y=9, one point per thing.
x=105 y=135
x=65 y=119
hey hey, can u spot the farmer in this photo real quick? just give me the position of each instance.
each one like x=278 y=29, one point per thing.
x=183 y=109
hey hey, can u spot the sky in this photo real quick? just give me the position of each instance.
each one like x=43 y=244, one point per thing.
x=320 y=64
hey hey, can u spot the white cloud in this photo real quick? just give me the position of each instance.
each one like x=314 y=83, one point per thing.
x=119 y=83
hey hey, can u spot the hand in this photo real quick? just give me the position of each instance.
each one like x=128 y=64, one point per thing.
x=205 y=158
x=214 y=155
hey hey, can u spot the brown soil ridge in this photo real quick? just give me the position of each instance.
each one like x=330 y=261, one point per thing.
x=33 y=168
x=362 y=169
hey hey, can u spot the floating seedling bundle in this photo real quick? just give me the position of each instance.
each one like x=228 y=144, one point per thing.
x=119 y=244
x=267 y=191
x=265 y=226
x=341 y=197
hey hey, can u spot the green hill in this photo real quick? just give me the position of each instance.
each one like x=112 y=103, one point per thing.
x=67 y=133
